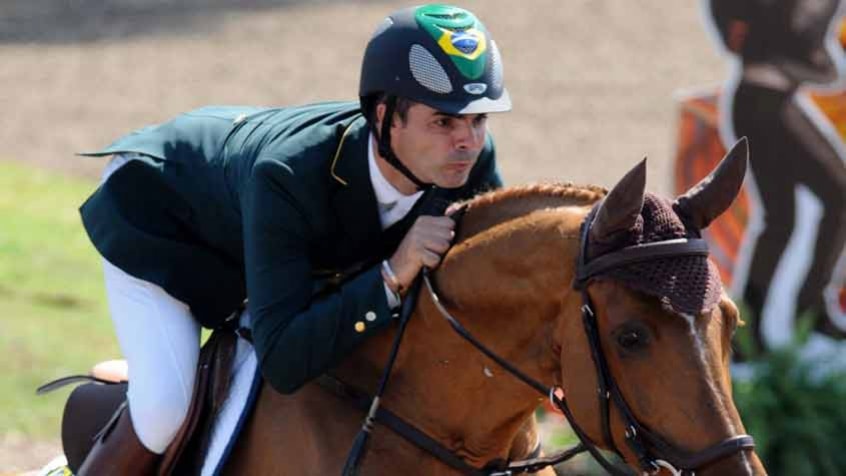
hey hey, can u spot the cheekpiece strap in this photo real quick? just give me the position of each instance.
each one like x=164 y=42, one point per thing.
x=387 y=152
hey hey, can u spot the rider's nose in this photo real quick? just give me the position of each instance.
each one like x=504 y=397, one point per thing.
x=468 y=137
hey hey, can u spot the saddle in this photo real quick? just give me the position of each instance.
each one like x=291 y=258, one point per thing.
x=93 y=406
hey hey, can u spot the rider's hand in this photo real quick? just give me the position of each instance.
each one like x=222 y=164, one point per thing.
x=424 y=245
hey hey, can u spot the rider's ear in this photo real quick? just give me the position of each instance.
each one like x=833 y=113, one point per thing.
x=379 y=115
x=709 y=198
x=621 y=207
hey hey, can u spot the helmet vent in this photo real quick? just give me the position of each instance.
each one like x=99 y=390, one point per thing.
x=448 y=21
x=447 y=16
x=386 y=23
x=496 y=67
x=428 y=71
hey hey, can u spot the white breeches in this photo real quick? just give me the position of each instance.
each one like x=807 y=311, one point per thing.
x=160 y=340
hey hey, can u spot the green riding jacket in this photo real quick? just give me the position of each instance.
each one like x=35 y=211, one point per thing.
x=230 y=202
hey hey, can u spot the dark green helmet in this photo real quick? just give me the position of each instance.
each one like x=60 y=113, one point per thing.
x=438 y=55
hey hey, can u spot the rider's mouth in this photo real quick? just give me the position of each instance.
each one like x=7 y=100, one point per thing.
x=459 y=166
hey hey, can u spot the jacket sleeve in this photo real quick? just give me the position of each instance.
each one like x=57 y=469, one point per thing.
x=297 y=337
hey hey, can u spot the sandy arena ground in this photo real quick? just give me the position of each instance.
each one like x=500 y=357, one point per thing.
x=592 y=81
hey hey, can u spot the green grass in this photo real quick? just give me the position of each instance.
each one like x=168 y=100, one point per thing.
x=53 y=318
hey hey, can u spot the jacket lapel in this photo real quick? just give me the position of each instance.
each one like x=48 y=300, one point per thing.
x=360 y=236
x=354 y=202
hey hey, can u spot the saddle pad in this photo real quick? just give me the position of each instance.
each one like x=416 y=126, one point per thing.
x=246 y=381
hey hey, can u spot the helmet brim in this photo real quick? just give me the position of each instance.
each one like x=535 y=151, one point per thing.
x=482 y=105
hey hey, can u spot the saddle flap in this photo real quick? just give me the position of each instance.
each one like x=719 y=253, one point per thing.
x=91 y=405
x=89 y=408
x=211 y=385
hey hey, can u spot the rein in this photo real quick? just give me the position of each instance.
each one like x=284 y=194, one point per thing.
x=376 y=413
x=641 y=440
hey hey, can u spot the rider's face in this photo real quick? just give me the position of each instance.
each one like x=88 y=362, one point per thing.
x=437 y=147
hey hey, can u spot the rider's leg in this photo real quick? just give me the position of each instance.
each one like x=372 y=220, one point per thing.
x=829 y=184
x=118 y=451
x=818 y=157
x=776 y=193
x=757 y=114
x=160 y=340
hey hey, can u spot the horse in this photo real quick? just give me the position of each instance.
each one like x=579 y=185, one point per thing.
x=514 y=281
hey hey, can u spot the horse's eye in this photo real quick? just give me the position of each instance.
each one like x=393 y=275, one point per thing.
x=630 y=340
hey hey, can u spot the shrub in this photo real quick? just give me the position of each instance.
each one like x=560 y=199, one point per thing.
x=796 y=414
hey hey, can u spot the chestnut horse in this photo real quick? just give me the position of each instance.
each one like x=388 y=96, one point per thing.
x=509 y=279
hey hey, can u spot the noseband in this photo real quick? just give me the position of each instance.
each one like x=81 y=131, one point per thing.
x=652 y=451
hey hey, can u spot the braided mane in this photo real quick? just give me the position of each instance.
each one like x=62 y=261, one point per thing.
x=566 y=192
x=498 y=206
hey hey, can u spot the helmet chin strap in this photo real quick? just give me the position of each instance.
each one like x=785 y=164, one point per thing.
x=383 y=139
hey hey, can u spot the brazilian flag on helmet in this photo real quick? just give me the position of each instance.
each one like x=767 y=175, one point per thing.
x=438 y=55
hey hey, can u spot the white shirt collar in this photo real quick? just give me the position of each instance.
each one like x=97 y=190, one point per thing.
x=393 y=205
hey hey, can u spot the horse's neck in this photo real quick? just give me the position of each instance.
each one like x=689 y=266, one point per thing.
x=505 y=285
x=492 y=209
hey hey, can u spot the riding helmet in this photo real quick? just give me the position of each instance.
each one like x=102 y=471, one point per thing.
x=438 y=55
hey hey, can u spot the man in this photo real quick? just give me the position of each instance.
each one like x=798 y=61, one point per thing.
x=222 y=203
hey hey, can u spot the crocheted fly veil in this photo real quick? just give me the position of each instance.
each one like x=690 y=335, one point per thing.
x=627 y=217
x=683 y=284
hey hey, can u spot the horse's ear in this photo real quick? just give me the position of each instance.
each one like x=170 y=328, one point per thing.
x=621 y=206
x=709 y=198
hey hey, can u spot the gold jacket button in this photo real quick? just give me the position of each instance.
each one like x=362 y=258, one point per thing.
x=370 y=316
x=359 y=326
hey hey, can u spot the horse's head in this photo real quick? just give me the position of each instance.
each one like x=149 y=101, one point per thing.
x=638 y=330
x=659 y=322
x=663 y=328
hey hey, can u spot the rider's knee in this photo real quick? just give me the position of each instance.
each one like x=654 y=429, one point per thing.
x=158 y=417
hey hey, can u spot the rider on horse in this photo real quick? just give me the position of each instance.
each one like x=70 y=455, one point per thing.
x=195 y=214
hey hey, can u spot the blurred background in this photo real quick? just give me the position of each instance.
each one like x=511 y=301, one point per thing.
x=592 y=81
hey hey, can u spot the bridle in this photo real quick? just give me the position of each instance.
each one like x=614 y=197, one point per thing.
x=653 y=452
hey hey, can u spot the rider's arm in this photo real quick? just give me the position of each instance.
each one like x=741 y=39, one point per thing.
x=297 y=338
